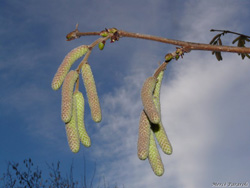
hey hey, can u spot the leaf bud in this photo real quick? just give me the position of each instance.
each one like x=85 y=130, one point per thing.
x=101 y=45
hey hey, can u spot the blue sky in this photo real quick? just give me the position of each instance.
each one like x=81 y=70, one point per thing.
x=205 y=103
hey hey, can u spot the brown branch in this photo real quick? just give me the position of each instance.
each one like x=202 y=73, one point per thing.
x=79 y=34
x=187 y=45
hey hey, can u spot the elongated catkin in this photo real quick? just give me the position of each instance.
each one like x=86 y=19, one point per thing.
x=91 y=91
x=67 y=95
x=72 y=133
x=65 y=66
x=158 y=129
x=157 y=90
x=147 y=100
x=79 y=107
x=154 y=157
x=143 y=137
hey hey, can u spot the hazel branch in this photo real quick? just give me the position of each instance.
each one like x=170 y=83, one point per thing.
x=188 y=45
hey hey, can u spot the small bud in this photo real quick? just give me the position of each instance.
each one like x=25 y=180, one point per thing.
x=112 y=30
x=101 y=45
x=177 y=57
x=71 y=36
x=104 y=33
x=168 y=57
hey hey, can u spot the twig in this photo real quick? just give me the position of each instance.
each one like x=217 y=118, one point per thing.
x=227 y=31
x=160 y=68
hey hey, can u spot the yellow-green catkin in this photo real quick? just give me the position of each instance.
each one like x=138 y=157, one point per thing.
x=154 y=157
x=143 y=137
x=72 y=133
x=91 y=91
x=67 y=95
x=79 y=107
x=158 y=129
x=157 y=90
x=65 y=66
x=147 y=100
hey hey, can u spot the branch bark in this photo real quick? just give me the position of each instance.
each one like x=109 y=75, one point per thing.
x=186 y=45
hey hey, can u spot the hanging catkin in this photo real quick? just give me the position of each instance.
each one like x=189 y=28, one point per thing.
x=143 y=137
x=65 y=66
x=67 y=95
x=158 y=129
x=154 y=157
x=91 y=91
x=147 y=100
x=79 y=106
x=72 y=133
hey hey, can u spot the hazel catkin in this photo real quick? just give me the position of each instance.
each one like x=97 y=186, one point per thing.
x=65 y=66
x=79 y=107
x=147 y=100
x=143 y=137
x=72 y=133
x=91 y=91
x=156 y=93
x=67 y=95
x=158 y=129
x=154 y=157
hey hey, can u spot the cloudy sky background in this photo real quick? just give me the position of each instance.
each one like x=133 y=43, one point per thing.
x=205 y=103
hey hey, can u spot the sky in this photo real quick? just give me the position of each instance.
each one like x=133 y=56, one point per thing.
x=205 y=103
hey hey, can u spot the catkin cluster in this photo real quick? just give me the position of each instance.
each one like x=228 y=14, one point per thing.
x=150 y=126
x=72 y=108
